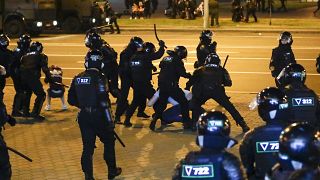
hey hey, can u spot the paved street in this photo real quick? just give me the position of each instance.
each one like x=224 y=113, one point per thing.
x=55 y=144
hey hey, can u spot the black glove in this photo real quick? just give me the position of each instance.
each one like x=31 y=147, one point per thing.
x=161 y=43
x=12 y=121
x=154 y=69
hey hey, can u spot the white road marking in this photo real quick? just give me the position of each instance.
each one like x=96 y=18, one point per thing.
x=187 y=46
x=55 y=38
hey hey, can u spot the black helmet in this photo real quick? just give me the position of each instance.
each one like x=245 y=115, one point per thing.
x=4 y=41
x=269 y=101
x=212 y=59
x=24 y=41
x=285 y=38
x=149 y=47
x=93 y=59
x=213 y=123
x=93 y=41
x=181 y=51
x=206 y=35
x=292 y=73
x=36 y=47
x=300 y=142
x=136 y=42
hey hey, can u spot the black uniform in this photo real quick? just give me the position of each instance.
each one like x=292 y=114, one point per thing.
x=5 y=166
x=6 y=58
x=110 y=68
x=208 y=82
x=172 y=68
x=141 y=67
x=94 y=118
x=283 y=5
x=281 y=57
x=251 y=10
x=30 y=69
x=203 y=50
x=209 y=163
x=258 y=149
x=126 y=80
x=303 y=103
x=16 y=78
x=318 y=64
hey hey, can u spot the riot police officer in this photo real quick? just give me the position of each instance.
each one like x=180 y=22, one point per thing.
x=94 y=118
x=172 y=68
x=303 y=102
x=208 y=82
x=23 y=42
x=203 y=48
x=259 y=145
x=6 y=58
x=126 y=79
x=140 y=65
x=298 y=149
x=94 y=41
x=213 y=161
x=282 y=55
x=5 y=166
x=31 y=65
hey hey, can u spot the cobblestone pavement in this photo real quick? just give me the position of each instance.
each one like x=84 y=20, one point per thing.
x=55 y=144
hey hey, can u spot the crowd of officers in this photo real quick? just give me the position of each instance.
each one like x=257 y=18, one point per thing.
x=287 y=146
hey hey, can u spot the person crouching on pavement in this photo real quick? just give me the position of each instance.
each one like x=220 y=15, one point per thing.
x=56 y=88
x=213 y=161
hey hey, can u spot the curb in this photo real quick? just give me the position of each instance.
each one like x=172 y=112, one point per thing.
x=197 y=29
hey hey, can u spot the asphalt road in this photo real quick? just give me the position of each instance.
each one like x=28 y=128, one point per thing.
x=55 y=144
x=249 y=54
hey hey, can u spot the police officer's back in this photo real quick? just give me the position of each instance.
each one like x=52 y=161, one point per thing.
x=208 y=82
x=258 y=148
x=31 y=65
x=88 y=92
x=203 y=48
x=212 y=161
x=303 y=102
x=282 y=55
x=298 y=149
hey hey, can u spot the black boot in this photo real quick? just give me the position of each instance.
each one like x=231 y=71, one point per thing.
x=152 y=125
x=117 y=120
x=88 y=176
x=17 y=102
x=114 y=173
x=127 y=122
x=37 y=108
x=143 y=115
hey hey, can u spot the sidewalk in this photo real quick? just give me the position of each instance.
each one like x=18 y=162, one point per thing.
x=301 y=20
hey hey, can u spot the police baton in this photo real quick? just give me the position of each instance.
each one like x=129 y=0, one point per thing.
x=20 y=154
x=60 y=84
x=119 y=139
x=156 y=34
x=225 y=61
